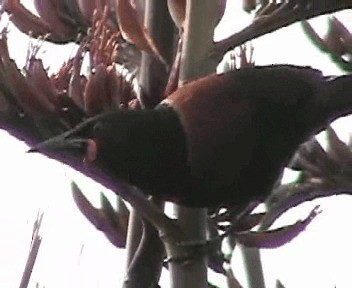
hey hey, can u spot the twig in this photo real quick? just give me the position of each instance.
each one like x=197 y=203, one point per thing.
x=33 y=252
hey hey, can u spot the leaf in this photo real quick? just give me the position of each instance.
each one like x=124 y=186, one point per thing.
x=31 y=100
x=31 y=24
x=91 y=213
x=337 y=149
x=177 y=10
x=86 y=8
x=95 y=94
x=248 y=222
x=115 y=233
x=122 y=212
x=76 y=85
x=277 y=237
x=37 y=75
x=49 y=12
x=24 y=20
x=102 y=219
x=134 y=31
x=74 y=12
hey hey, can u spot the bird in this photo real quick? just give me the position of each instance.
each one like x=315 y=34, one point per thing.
x=218 y=141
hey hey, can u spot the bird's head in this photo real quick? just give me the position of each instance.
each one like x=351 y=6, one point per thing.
x=103 y=137
x=130 y=145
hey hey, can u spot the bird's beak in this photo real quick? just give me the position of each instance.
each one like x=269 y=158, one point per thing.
x=63 y=142
x=69 y=143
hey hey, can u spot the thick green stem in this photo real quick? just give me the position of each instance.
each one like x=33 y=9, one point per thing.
x=192 y=272
x=152 y=80
x=253 y=267
x=198 y=36
x=201 y=19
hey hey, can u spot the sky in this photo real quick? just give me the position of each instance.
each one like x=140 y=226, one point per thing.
x=74 y=254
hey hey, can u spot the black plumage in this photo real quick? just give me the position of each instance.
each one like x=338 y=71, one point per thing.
x=219 y=140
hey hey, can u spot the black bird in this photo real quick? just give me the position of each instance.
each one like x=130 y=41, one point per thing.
x=217 y=141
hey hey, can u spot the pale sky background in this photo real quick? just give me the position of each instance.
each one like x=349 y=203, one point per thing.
x=319 y=257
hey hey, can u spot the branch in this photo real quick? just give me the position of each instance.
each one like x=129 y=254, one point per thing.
x=277 y=15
